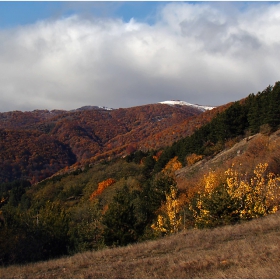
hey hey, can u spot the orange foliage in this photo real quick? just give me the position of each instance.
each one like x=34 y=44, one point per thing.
x=157 y=156
x=101 y=187
x=193 y=158
x=173 y=165
x=36 y=145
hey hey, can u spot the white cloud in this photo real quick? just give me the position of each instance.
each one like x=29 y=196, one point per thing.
x=205 y=53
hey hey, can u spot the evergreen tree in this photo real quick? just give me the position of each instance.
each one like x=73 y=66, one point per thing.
x=273 y=108
x=214 y=209
x=149 y=163
x=120 y=220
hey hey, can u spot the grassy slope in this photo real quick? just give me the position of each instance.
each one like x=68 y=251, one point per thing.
x=247 y=250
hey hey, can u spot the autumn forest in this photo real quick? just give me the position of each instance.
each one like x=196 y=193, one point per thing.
x=74 y=181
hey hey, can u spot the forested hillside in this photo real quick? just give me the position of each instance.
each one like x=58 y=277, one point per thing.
x=212 y=177
x=35 y=145
x=242 y=118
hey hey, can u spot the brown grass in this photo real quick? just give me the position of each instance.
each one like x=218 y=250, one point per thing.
x=247 y=250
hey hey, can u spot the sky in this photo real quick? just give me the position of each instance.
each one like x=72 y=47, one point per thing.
x=65 y=55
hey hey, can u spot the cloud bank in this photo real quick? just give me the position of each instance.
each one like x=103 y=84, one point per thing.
x=206 y=53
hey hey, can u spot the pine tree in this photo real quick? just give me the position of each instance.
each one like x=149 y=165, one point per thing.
x=120 y=220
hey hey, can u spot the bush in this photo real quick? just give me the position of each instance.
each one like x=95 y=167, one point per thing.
x=213 y=209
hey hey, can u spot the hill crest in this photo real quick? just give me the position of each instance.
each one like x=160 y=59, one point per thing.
x=203 y=108
x=88 y=134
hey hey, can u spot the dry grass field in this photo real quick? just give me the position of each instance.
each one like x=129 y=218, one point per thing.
x=247 y=250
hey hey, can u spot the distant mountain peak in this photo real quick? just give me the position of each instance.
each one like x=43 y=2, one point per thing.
x=183 y=103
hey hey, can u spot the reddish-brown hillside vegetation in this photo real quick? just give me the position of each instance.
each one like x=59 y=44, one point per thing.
x=31 y=155
x=37 y=144
x=181 y=129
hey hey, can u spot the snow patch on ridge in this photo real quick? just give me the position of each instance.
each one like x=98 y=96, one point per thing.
x=183 y=103
x=87 y=108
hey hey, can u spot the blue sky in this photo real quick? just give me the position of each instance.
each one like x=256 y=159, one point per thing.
x=20 y=13
x=64 y=55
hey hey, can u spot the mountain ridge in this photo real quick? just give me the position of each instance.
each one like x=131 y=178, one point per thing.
x=98 y=107
x=184 y=103
x=88 y=134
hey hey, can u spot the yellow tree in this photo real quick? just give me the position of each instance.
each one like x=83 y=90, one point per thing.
x=193 y=158
x=259 y=195
x=173 y=165
x=230 y=196
x=211 y=205
x=170 y=220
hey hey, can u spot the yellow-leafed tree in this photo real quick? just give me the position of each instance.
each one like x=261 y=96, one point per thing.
x=170 y=220
x=257 y=196
x=225 y=200
x=173 y=165
x=193 y=158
